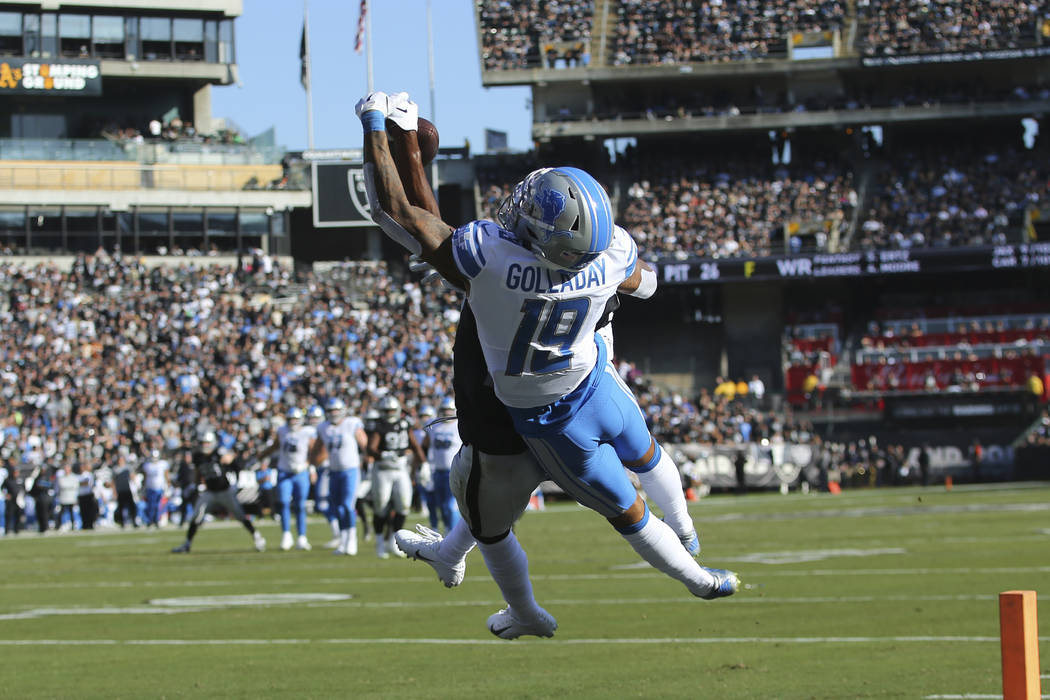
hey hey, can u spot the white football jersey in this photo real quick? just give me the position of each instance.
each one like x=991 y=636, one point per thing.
x=295 y=446
x=444 y=444
x=536 y=321
x=156 y=472
x=340 y=439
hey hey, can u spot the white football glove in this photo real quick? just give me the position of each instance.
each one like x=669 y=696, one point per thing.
x=403 y=111
x=378 y=101
x=429 y=273
x=425 y=477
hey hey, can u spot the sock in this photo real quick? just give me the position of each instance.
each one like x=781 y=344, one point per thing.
x=334 y=524
x=457 y=543
x=663 y=484
x=248 y=526
x=192 y=531
x=509 y=567
x=658 y=544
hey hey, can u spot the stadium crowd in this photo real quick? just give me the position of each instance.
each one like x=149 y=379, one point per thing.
x=917 y=26
x=110 y=361
x=694 y=31
x=966 y=195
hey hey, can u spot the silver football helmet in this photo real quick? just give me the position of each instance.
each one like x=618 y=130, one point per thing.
x=209 y=441
x=294 y=416
x=314 y=415
x=563 y=213
x=448 y=407
x=335 y=409
x=390 y=408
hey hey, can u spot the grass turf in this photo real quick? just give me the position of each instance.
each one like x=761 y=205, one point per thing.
x=870 y=594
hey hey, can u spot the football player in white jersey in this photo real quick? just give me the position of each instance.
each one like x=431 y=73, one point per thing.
x=322 y=497
x=295 y=439
x=424 y=480
x=341 y=440
x=157 y=477
x=441 y=443
x=391 y=446
x=538 y=283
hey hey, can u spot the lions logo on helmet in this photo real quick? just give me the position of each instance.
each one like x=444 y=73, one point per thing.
x=390 y=408
x=314 y=415
x=294 y=416
x=563 y=213
x=427 y=412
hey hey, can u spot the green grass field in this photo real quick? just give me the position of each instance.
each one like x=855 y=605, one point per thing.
x=869 y=594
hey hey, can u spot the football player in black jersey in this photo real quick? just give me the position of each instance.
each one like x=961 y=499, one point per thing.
x=211 y=465
x=391 y=446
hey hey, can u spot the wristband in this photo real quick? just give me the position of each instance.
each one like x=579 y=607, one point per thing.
x=373 y=120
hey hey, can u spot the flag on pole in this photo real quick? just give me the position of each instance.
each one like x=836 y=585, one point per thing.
x=359 y=40
x=304 y=60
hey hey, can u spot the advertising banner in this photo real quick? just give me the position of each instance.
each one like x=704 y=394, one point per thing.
x=67 y=76
x=857 y=264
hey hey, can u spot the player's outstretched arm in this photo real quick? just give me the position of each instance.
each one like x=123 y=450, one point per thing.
x=431 y=235
x=641 y=283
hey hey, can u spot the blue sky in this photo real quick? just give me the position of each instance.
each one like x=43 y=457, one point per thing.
x=269 y=93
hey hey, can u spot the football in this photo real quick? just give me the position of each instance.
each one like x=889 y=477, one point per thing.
x=427 y=134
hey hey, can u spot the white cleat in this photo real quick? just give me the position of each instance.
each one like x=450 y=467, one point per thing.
x=506 y=625
x=332 y=543
x=303 y=544
x=286 y=541
x=392 y=548
x=260 y=542
x=425 y=545
x=351 y=542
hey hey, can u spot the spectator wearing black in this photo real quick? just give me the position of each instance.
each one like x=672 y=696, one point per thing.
x=738 y=463
x=86 y=500
x=124 y=488
x=924 y=464
x=15 y=497
x=42 y=491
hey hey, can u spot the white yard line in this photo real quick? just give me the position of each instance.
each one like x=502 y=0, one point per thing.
x=567 y=642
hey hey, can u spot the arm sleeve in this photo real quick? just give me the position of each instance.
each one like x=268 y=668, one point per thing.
x=468 y=249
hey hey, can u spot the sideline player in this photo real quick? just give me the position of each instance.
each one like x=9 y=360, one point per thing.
x=294 y=441
x=441 y=443
x=211 y=465
x=391 y=445
x=341 y=440
x=538 y=284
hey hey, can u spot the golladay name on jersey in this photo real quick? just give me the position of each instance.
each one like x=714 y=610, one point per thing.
x=541 y=279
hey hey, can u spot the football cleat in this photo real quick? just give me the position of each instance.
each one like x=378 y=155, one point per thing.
x=691 y=542
x=303 y=544
x=392 y=548
x=183 y=548
x=286 y=541
x=260 y=542
x=726 y=583
x=425 y=545
x=506 y=625
x=333 y=543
